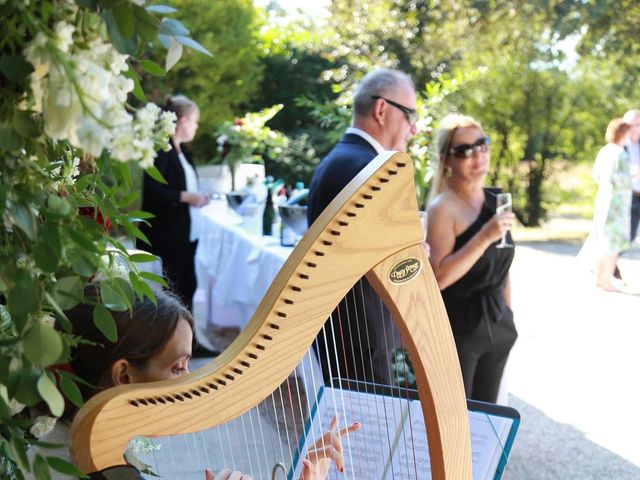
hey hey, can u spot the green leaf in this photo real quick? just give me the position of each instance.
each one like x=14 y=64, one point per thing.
x=173 y=55
x=136 y=215
x=9 y=138
x=82 y=264
x=41 y=468
x=27 y=391
x=25 y=125
x=71 y=391
x=58 y=205
x=24 y=219
x=192 y=44
x=164 y=9
x=104 y=321
x=171 y=26
x=141 y=288
x=124 y=19
x=43 y=345
x=81 y=239
x=60 y=315
x=128 y=46
x=48 y=248
x=63 y=466
x=154 y=173
x=146 y=24
x=50 y=394
x=68 y=292
x=19 y=452
x=154 y=278
x=137 y=88
x=152 y=67
x=143 y=257
x=23 y=300
x=15 y=67
x=116 y=294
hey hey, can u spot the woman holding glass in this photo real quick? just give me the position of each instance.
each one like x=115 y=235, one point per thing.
x=471 y=253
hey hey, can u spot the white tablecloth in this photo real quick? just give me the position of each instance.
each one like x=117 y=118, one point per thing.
x=235 y=268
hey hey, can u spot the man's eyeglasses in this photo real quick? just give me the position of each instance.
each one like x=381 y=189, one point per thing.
x=466 y=150
x=410 y=114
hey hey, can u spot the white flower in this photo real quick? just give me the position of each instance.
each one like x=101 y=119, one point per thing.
x=222 y=139
x=38 y=55
x=42 y=425
x=143 y=445
x=92 y=137
x=120 y=87
x=48 y=320
x=63 y=37
x=167 y=124
x=15 y=406
x=122 y=148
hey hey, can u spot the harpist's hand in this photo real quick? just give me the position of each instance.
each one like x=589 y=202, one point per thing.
x=226 y=474
x=326 y=449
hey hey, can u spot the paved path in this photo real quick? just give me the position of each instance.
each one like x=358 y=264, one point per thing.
x=574 y=369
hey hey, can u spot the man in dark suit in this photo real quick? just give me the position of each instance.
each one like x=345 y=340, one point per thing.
x=360 y=332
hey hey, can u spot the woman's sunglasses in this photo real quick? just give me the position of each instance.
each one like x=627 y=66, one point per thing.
x=466 y=150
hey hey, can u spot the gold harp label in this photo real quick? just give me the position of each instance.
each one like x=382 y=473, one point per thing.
x=405 y=270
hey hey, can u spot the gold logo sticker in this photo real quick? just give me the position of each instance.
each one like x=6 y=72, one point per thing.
x=405 y=270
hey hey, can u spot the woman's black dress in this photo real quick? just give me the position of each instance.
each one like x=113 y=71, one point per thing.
x=481 y=321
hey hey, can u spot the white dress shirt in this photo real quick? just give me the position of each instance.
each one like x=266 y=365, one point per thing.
x=372 y=141
x=191 y=181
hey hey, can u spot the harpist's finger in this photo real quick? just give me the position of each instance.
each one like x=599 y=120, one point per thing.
x=223 y=474
x=328 y=452
x=351 y=428
x=334 y=422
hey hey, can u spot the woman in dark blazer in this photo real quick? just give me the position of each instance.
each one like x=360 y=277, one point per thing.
x=170 y=231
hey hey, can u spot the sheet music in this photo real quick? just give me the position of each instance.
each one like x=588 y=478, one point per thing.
x=366 y=450
x=397 y=425
x=488 y=436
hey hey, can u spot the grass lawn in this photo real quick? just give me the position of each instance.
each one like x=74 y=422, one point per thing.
x=568 y=198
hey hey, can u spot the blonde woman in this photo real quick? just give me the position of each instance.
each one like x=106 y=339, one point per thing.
x=472 y=273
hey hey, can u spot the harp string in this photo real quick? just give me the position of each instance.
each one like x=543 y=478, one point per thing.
x=294 y=431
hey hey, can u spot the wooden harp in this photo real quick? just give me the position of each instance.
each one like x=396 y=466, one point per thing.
x=371 y=228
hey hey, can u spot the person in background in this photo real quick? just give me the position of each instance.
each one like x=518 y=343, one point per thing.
x=471 y=272
x=154 y=343
x=632 y=117
x=384 y=118
x=171 y=232
x=610 y=230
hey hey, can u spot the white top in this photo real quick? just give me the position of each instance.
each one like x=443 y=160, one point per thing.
x=633 y=148
x=374 y=143
x=191 y=181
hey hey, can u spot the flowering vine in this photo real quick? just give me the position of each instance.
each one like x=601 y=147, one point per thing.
x=74 y=124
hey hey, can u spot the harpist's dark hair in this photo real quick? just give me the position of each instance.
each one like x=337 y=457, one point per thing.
x=143 y=331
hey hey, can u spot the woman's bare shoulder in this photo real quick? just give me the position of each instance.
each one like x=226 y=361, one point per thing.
x=442 y=205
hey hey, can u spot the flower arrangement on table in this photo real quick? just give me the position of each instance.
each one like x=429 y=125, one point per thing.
x=68 y=138
x=248 y=139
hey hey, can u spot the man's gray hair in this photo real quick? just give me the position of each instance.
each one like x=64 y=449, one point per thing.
x=630 y=116
x=380 y=82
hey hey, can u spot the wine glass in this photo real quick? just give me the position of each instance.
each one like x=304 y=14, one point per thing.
x=504 y=204
x=423 y=223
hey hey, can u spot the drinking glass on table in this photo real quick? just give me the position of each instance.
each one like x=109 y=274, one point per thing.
x=503 y=204
x=424 y=221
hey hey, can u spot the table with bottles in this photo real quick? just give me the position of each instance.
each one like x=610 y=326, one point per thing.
x=235 y=265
